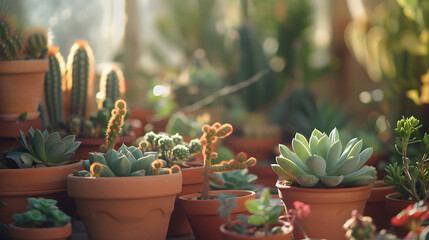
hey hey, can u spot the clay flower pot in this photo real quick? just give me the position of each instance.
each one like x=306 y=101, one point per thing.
x=259 y=148
x=192 y=181
x=9 y=131
x=232 y=235
x=203 y=215
x=21 y=87
x=16 y=185
x=54 y=233
x=375 y=206
x=93 y=145
x=125 y=207
x=330 y=208
x=393 y=207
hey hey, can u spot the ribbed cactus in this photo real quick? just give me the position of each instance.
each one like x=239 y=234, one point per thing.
x=112 y=83
x=125 y=162
x=80 y=70
x=115 y=123
x=11 y=42
x=36 y=43
x=53 y=88
x=212 y=134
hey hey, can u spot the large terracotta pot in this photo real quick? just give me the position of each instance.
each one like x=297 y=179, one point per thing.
x=203 y=215
x=54 y=233
x=375 y=206
x=16 y=185
x=21 y=87
x=330 y=208
x=259 y=148
x=192 y=181
x=88 y=145
x=232 y=235
x=125 y=208
x=393 y=207
x=9 y=131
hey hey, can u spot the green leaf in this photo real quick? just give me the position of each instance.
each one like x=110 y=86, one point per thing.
x=74 y=146
x=303 y=140
x=52 y=139
x=356 y=149
x=39 y=146
x=55 y=151
x=16 y=157
x=292 y=156
x=332 y=181
x=289 y=166
x=62 y=160
x=314 y=149
x=333 y=155
x=300 y=150
x=316 y=165
x=334 y=135
x=316 y=133
x=283 y=174
x=24 y=141
x=363 y=157
x=323 y=146
x=69 y=140
x=307 y=180
x=348 y=166
x=121 y=167
x=107 y=172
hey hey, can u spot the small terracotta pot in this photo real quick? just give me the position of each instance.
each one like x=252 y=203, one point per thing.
x=54 y=233
x=192 y=181
x=125 y=208
x=9 y=131
x=330 y=208
x=259 y=148
x=232 y=235
x=16 y=185
x=395 y=206
x=21 y=86
x=203 y=215
x=88 y=145
x=375 y=206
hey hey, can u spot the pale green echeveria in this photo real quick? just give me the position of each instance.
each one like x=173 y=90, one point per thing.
x=323 y=159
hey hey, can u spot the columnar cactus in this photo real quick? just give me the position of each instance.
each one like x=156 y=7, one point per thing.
x=11 y=42
x=112 y=83
x=115 y=123
x=127 y=161
x=323 y=160
x=54 y=88
x=36 y=43
x=212 y=134
x=80 y=71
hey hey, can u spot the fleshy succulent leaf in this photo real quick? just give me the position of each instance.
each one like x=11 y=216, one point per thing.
x=334 y=135
x=307 y=180
x=300 y=150
x=39 y=146
x=316 y=165
x=289 y=166
x=332 y=181
x=318 y=134
x=323 y=146
x=314 y=149
x=334 y=153
x=283 y=174
x=303 y=140
x=348 y=166
x=121 y=166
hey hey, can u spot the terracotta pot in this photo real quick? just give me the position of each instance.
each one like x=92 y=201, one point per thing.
x=232 y=235
x=260 y=148
x=203 y=215
x=330 y=208
x=93 y=145
x=54 y=233
x=16 y=185
x=125 y=208
x=192 y=181
x=375 y=206
x=21 y=86
x=9 y=131
x=393 y=207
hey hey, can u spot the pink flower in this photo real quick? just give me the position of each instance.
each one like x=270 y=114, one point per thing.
x=302 y=210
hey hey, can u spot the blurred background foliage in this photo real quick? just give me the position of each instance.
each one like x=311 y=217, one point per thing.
x=355 y=64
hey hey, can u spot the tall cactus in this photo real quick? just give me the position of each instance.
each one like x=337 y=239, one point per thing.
x=36 y=43
x=11 y=42
x=80 y=71
x=112 y=83
x=54 y=88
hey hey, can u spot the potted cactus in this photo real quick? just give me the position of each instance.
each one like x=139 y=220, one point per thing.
x=200 y=208
x=23 y=66
x=38 y=169
x=331 y=179
x=124 y=193
x=43 y=220
x=174 y=150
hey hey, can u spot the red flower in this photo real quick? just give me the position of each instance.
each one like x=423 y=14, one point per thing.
x=414 y=212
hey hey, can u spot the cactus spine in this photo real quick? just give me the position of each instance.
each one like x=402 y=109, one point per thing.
x=115 y=124
x=80 y=70
x=212 y=134
x=11 y=42
x=53 y=88
x=112 y=83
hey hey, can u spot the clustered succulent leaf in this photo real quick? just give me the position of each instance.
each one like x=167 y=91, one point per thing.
x=127 y=161
x=411 y=178
x=43 y=213
x=235 y=180
x=44 y=149
x=172 y=149
x=322 y=160
x=211 y=134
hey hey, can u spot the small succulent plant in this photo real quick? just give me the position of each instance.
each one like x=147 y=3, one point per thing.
x=323 y=160
x=44 y=149
x=235 y=180
x=127 y=161
x=172 y=149
x=43 y=213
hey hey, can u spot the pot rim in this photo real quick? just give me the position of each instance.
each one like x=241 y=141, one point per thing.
x=187 y=197
x=279 y=185
x=31 y=66
x=393 y=197
x=288 y=226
